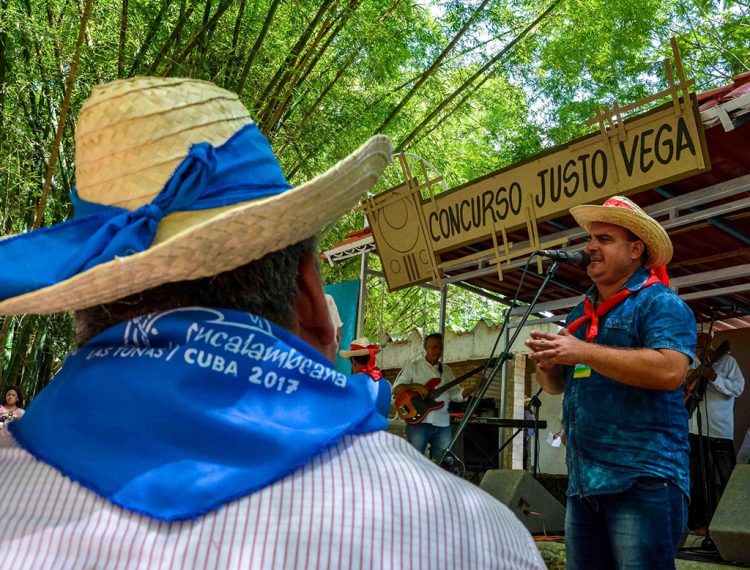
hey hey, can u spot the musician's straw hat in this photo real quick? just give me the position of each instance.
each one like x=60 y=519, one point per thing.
x=359 y=347
x=130 y=137
x=620 y=211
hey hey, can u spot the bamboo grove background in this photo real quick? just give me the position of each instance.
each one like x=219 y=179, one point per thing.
x=471 y=86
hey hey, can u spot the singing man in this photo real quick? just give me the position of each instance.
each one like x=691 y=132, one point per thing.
x=621 y=361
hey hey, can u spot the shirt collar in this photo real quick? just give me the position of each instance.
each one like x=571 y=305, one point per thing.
x=635 y=283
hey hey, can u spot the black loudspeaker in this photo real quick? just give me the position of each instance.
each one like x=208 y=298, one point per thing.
x=480 y=445
x=534 y=506
x=730 y=525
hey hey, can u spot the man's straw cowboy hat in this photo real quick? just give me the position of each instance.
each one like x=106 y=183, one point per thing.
x=133 y=137
x=620 y=211
x=359 y=347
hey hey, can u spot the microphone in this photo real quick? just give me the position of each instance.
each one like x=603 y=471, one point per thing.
x=577 y=258
x=725 y=307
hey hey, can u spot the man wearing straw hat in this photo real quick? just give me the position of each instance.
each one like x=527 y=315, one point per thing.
x=621 y=361
x=361 y=353
x=200 y=422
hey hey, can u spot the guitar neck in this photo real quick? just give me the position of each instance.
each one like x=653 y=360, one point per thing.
x=707 y=362
x=436 y=392
x=717 y=355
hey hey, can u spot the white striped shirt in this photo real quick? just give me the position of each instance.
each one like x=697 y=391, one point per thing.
x=371 y=501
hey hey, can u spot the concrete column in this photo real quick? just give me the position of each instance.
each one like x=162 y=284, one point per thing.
x=515 y=388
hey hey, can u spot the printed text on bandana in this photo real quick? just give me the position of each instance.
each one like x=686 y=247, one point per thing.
x=256 y=356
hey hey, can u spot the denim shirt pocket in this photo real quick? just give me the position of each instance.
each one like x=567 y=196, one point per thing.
x=618 y=331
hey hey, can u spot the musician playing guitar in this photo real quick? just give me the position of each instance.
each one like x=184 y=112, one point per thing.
x=434 y=430
x=724 y=382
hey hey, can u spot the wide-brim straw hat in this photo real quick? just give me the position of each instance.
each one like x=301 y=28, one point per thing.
x=621 y=211
x=358 y=347
x=130 y=137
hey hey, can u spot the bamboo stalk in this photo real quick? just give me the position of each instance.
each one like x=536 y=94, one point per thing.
x=314 y=57
x=288 y=62
x=63 y=116
x=487 y=66
x=234 y=57
x=196 y=41
x=290 y=80
x=433 y=67
x=4 y=330
x=123 y=37
x=173 y=37
x=3 y=67
x=153 y=28
x=256 y=46
x=309 y=112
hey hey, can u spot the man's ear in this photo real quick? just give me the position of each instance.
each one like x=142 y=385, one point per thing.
x=637 y=247
x=311 y=308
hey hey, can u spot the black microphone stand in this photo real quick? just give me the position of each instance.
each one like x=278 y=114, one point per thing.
x=499 y=363
x=534 y=404
x=455 y=466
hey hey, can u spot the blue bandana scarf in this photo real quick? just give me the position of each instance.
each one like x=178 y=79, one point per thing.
x=174 y=414
x=242 y=169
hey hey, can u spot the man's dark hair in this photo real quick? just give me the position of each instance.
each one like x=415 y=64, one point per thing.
x=362 y=359
x=266 y=287
x=436 y=335
x=17 y=390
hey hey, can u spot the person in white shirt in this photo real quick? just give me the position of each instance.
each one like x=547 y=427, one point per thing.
x=434 y=430
x=724 y=382
x=215 y=432
x=338 y=324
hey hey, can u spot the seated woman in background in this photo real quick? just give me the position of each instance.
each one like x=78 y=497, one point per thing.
x=12 y=402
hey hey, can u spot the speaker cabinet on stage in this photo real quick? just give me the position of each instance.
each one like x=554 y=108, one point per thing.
x=730 y=525
x=477 y=447
x=534 y=506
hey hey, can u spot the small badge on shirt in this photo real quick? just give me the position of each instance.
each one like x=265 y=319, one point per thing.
x=581 y=371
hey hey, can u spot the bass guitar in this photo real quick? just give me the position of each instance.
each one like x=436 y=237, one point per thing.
x=694 y=376
x=412 y=408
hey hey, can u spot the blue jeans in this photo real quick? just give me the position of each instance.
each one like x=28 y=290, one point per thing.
x=419 y=435
x=640 y=528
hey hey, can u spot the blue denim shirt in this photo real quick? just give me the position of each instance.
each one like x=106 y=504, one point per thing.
x=618 y=433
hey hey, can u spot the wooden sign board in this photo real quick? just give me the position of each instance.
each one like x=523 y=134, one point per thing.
x=647 y=150
x=398 y=227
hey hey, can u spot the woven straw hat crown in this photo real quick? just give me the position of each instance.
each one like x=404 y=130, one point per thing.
x=131 y=135
x=621 y=211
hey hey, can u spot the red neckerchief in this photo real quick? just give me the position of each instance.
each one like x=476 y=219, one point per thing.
x=371 y=369
x=656 y=275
